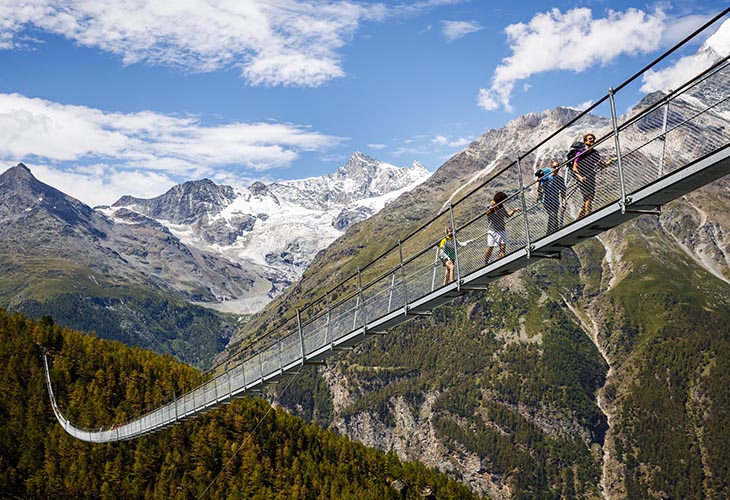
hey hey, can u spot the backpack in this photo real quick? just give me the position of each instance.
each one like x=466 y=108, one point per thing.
x=575 y=148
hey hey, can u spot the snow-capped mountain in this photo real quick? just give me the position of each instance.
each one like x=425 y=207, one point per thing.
x=275 y=229
x=361 y=178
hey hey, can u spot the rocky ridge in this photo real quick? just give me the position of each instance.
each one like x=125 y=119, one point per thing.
x=275 y=230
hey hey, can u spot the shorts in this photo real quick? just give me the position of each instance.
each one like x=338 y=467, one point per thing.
x=496 y=238
x=588 y=187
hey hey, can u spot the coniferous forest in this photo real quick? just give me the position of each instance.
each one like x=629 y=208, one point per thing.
x=244 y=450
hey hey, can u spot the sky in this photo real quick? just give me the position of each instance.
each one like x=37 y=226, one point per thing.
x=104 y=98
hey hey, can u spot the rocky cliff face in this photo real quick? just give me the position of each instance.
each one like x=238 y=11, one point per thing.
x=184 y=203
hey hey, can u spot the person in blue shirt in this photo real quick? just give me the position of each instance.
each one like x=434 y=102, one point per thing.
x=543 y=176
x=551 y=192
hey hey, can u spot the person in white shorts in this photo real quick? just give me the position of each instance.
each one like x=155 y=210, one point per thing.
x=496 y=230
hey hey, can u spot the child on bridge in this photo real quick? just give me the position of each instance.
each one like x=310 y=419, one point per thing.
x=447 y=254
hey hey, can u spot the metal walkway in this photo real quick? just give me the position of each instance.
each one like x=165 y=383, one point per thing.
x=673 y=144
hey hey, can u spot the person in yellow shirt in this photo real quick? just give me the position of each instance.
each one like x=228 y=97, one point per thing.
x=447 y=254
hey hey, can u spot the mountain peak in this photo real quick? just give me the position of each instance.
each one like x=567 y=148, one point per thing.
x=21 y=194
x=21 y=178
x=719 y=42
x=553 y=118
x=22 y=166
x=183 y=203
x=360 y=156
x=20 y=171
x=419 y=167
x=258 y=188
x=197 y=184
x=358 y=165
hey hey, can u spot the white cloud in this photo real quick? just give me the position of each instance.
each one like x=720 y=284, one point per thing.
x=97 y=156
x=584 y=105
x=274 y=42
x=572 y=41
x=678 y=28
x=434 y=147
x=716 y=47
x=442 y=140
x=176 y=145
x=453 y=30
x=271 y=42
x=102 y=184
x=377 y=147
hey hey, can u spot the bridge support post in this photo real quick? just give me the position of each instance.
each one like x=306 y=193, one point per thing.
x=360 y=300
x=261 y=368
x=328 y=327
x=403 y=276
x=357 y=308
x=435 y=267
x=390 y=292
x=301 y=335
x=617 y=143
x=523 y=203
x=663 y=138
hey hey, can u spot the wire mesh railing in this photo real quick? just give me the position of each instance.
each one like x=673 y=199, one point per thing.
x=507 y=213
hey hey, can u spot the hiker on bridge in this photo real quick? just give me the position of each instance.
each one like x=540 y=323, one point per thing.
x=551 y=192
x=447 y=254
x=496 y=228
x=585 y=165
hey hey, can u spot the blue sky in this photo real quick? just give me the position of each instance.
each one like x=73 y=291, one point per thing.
x=102 y=98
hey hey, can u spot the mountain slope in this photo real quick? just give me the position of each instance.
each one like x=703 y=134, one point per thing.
x=566 y=380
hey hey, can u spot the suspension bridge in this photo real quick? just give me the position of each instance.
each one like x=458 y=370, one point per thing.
x=672 y=143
